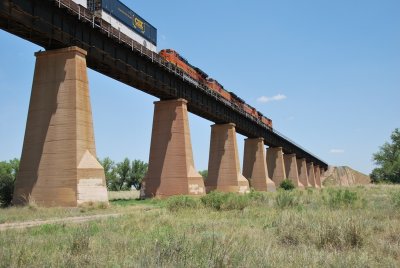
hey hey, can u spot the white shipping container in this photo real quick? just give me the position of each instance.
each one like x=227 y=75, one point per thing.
x=81 y=2
x=125 y=30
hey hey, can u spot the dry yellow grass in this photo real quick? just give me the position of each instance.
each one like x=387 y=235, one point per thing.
x=314 y=229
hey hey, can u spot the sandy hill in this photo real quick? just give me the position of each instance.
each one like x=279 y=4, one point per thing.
x=344 y=176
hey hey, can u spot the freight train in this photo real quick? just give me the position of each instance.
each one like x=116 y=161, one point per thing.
x=198 y=77
x=122 y=18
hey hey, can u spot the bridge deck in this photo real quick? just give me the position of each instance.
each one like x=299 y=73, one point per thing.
x=61 y=23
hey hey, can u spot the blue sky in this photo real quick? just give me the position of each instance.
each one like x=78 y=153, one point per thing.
x=326 y=72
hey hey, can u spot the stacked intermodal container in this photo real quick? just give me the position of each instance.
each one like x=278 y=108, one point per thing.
x=125 y=20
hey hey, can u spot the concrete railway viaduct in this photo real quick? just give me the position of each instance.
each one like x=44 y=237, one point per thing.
x=58 y=162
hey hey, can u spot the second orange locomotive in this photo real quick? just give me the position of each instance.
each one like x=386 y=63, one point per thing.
x=198 y=77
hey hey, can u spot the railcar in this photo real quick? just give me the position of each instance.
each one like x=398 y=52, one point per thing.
x=191 y=73
x=217 y=87
x=122 y=18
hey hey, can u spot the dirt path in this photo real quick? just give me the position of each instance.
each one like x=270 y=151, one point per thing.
x=29 y=224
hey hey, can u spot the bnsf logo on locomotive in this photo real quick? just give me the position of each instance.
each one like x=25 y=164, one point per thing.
x=139 y=24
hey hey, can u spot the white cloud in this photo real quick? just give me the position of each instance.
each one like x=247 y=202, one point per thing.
x=264 y=99
x=337 y=151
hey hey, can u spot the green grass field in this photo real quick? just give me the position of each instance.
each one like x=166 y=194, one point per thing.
x=359 y=227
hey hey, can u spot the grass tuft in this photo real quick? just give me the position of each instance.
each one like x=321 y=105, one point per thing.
x=177 y=203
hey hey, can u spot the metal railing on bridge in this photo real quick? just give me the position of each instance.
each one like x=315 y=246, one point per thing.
x=88 y=17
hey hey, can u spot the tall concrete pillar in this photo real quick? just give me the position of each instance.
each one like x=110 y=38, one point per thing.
x=317 y=173
x=303 y=174
x=223 y=167
x=311 y=174
x=171 y=166
x=255 y=165
x=291 y=169
x=276 y=165
x=58 y=163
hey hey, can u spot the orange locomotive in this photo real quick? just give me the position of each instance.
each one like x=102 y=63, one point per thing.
x=197 y=76
x=193 y=72
x=217 y=87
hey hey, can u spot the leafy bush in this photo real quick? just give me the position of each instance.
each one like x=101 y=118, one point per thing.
x=214 y=200
x=338 y=198
x=226 y=201
x=6 y=189
x=176 y=203
x=8 y=173
x=287 y=185
x=236 y=202
x=286 y=199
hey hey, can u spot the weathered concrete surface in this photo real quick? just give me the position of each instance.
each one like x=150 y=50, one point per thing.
x=303 y=174
x=317 y=173
x=276 y=165
x=171 y=166
x=311 y=174
x=291 y=169
x=255 y=165
x=223 y=167
x=58 y=163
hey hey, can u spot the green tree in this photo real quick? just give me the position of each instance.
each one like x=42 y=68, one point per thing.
x=122 y=176
x=8 y=173
x=110 y=172
x=138 y=171
x=123 y=170
x=388 y=161
x=204 y=174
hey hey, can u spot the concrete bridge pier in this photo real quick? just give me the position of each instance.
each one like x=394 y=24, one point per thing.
x=223 y=167
x=58 y=162
x=255 y=165
x=317 y=173
x=276 y=165
x=303 y=174
x=291 y=169
x=311 y=174
x=171 y=166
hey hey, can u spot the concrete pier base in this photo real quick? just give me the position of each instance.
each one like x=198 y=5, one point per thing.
x=311 y=174
x=303 y=174
x=291 y=169
x=58 y=162
x=255 y=165
x=276 y=165
x=317 y=173
x=171 y=166
x=223 y=167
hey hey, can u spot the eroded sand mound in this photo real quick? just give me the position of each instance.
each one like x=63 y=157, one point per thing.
x=344 y=176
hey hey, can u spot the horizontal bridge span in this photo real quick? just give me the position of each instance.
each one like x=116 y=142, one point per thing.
x=54 y=24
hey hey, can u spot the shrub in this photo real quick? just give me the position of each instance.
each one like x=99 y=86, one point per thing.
x=340 y=235
x=260 y=198
x=226 y=201
x=287 y=185
x=6 y=189
x=396 y=199
x=236 y=202
x=214 y=200
x=176 y=203
x=341 y=198
x=285 y=199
